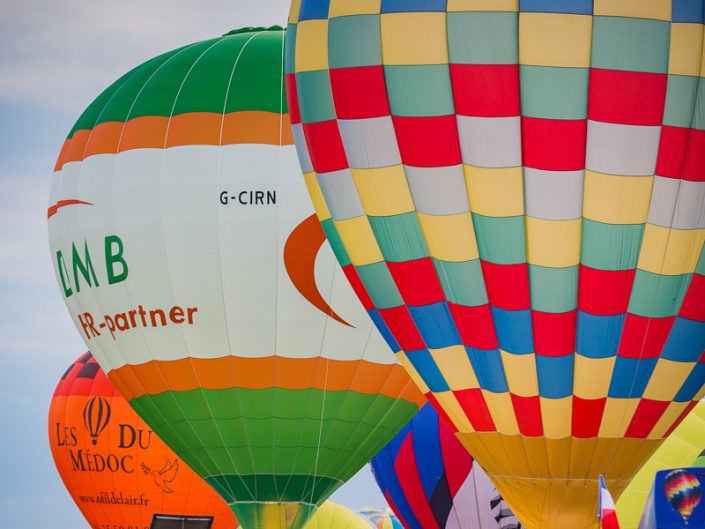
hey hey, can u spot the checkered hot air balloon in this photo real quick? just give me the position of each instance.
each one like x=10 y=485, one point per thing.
x=516 y=189
x=188 y=255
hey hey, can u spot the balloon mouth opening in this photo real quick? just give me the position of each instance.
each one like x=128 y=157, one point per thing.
x=253 y=29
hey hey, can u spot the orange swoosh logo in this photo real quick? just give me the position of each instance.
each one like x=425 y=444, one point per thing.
x=300 y=253
x=62 y=204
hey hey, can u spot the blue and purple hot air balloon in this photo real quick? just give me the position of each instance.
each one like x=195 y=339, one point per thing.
x=431 y=482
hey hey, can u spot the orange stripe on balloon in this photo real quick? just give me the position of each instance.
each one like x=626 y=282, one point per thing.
x=188 y=374
x=62 y=204
x=300 y=253
x=192 y=128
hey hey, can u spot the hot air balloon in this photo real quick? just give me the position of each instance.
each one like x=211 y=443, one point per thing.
x=124 y=475
x=681 y=449
x=190 y=260
x=96 y=416
x=380 y=518
x=332 y=515
x=516 y=188
x=431 y=482
x=683 y=491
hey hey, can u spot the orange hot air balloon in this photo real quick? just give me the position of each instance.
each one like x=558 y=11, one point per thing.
x=119 y=473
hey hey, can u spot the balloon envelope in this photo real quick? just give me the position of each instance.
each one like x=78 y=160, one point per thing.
x=186 y=250
x=679 y=450
x=380 y=518
x=518 y=189
x=431 y=482
x=123 y=475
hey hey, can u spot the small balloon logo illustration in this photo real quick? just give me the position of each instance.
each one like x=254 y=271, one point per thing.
x=96 y=416
x=683 y=492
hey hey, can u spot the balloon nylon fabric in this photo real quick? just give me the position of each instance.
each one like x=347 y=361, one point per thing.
x=184 y=173
x=517 y=191
x=125 y=474
x=380 y=518
x=681 y=449
x=431 y=482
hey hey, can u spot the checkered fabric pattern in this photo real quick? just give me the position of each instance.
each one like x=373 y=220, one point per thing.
x=516 y=190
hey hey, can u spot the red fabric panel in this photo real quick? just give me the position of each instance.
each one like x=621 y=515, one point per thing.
x=408 y=474
x=428 y=141
x=507 y=285
x=359 y=92
x=473 y=403
x=486 y=90
x=440 y=411
x=554 y=145
x=671 y=152
x=475 y=326
x=680 y=418
x=604 y=292
x=694 y=169
x=403 y=328
x=528 y=414
x=647 y=414
x=587 y=415
x=554 y=334
x=417 y=281
x=693 y=306
x=358 y=287
x=325 y=146
x=457 y=462
x=644 y=337
x=292 y=97
x=632 y=98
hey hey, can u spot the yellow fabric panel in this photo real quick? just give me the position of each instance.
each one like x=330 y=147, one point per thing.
x=314 y=190
x=550 y=39
x=384 y=191
x=553 y=243
x=502 y=411
x=686 y=46
x=666 y=421
x=667 y=379
x=411 y=370
x=455 y=367
x=414 y=38
x=520 y=371
x=341 y=8
x=617 y=199
x=483 y=5
x=656 y=9
x=294 y=11
x=617 y=416
x=495 y=192
x=450 y=237
x=556 y=415
x=332 y=515
x=453 y=409
x=309 y=54
x=668 y=251
x=359 y=240
x=592 y=376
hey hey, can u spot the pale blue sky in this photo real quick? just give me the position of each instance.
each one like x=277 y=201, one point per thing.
x=55 y=57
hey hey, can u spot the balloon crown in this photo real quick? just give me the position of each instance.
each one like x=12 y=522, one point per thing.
x=252 y=29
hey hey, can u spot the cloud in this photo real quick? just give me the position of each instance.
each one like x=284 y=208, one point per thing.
x=62 y=54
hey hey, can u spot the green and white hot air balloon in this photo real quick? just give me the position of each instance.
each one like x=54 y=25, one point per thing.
x=186 y=251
